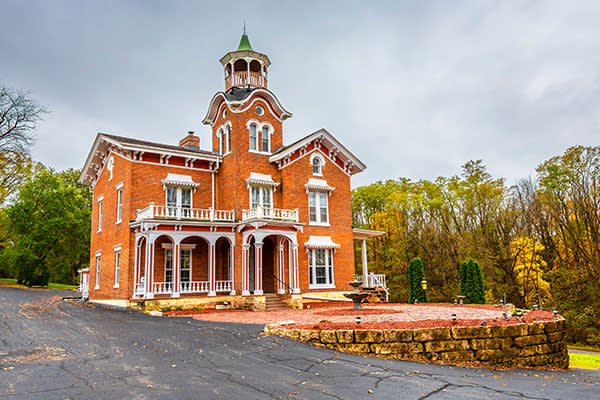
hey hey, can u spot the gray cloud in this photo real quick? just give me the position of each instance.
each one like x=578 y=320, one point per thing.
x=413 y=88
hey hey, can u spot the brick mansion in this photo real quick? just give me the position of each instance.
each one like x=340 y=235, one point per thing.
x=247 y=220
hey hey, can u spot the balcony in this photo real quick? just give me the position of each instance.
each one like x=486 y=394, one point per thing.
x=180 y=213
x=275 y=214
x=243 y=78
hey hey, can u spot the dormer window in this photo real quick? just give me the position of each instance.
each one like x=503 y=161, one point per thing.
x=253 y=138
x=317 y=163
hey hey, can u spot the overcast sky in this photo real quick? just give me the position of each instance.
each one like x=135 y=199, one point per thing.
x=412 y=88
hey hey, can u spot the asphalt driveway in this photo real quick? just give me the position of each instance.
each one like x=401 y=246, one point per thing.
x=51 y=349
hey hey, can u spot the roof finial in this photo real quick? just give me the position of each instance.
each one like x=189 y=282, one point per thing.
x=244 y=27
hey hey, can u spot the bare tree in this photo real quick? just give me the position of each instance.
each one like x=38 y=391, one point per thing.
x=19 y=115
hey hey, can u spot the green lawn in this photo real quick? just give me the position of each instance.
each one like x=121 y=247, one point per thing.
x=584 y=361
x=51 y=285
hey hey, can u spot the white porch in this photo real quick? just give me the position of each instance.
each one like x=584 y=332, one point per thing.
x=369 y=280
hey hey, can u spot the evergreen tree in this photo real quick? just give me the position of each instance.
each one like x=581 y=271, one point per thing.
x=471 y=282
x=416 y=273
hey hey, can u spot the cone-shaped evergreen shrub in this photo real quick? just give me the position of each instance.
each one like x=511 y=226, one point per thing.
x=471 y=282
x=416 y=273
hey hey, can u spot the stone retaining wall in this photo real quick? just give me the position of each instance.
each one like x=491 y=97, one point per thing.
x=538 y=344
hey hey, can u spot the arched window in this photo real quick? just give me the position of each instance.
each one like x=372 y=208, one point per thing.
x=316 y=164
x=228 y=138
x=253 y=138
x=221 y=141
x=265 y=139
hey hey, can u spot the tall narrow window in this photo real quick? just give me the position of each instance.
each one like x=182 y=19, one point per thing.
x=255 y=197
x=119 y=203
x=168 y=265
x=221 y=141
x=320 y=262
x=117 y=266
x=186 y=265
x=318 y=209
x=171 y=196
x=253 y=138
x=186 y=202
x=228 y=139
x=97 y=272
x=265 y=139
x=100 y=215
x=266 y=198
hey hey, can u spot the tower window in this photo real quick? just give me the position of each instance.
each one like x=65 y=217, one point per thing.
x=253 y=138
x=260 y=110
x=228 y=139
x=221 y=142
x=265 y=139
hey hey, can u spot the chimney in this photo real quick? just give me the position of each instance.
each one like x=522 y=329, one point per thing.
x=191 y=141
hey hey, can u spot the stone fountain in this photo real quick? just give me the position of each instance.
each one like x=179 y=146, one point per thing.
x=356 y=296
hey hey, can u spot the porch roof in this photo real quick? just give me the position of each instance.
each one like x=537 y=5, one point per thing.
x=363 y=234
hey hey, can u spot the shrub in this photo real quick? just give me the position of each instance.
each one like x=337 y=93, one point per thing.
x=416 y=273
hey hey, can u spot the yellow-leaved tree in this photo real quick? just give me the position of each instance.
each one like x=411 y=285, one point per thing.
x=529 y=269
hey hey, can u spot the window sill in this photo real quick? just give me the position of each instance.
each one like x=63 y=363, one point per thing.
x=96 y=287
x=318 y=224
x=330 y=286
x=118 y=222
x=99 y=231
x=115 y=286
x=265 y=153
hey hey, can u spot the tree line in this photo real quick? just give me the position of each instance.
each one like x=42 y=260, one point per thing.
x=45 y=215
x=540 y=236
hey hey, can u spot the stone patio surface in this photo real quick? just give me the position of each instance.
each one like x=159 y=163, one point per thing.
x=306 y=316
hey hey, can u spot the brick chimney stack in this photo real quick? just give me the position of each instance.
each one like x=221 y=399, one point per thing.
x=191 y=141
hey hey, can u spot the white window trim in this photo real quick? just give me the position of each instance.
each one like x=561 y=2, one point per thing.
x=179 y=196
x=321 y=158
x=100 y=212
x=260 y=195
x=318 y=207
x=98 y=256
x=181 y=258
x=259 y=127
x=119 y=188
x=311 y=257
x=227 y=139
x=117 y=250
x=170 y=248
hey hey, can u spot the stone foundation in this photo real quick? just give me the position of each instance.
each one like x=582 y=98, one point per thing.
x=537 y=344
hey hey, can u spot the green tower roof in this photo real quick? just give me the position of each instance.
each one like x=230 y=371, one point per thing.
x=244 y=43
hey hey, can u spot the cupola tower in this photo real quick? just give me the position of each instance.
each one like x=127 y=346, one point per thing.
x=245 y=67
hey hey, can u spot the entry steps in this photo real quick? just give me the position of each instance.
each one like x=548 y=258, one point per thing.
x=274 y=302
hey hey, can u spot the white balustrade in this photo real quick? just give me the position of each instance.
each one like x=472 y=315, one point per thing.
x=279 y=214
x=194 y=287
x=140 y=290
x=199 y=214
x=162 y=287
x=223 y=286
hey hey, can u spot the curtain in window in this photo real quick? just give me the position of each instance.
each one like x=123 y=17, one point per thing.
x=312 y=206
x=265 y=138
x=185 y=270
x=168 y=265
x=255 y=196
x=266 y=200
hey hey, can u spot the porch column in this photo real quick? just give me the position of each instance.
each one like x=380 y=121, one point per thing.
x=176 y=259
x=149 y=274
x=295 y=284
x=245 y=269
x=232 y=268
x=365 y=267
x=281 y=264
x=211 y=269
x=258 y=268
x=136 y=266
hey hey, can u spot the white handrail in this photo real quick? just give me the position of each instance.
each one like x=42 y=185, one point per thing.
x=162 y=287
x=194 y=287
x=280 y=214
x=201 y=214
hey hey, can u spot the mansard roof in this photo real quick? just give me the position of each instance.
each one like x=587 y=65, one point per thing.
x=337 y=151
x=238 y=98
x=125 y=145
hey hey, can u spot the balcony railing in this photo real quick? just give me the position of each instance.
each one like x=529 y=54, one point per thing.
x=277 y=214
x=198 y=214
x=241 y=78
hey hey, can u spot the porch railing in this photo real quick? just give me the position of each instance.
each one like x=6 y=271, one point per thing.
x=198 y=214
x=374 y=281
x=223 y=286
x=140 y=289
x=162 y=287
x=277 y=214
x=194 y=287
